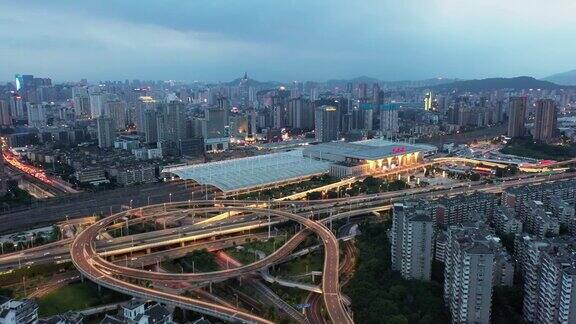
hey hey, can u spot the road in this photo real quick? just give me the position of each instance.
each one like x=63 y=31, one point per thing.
x=86 y=259
x=108 y=202
x=85 y=255
x=79 y=205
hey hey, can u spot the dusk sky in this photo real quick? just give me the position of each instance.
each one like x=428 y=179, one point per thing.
x=217 y=40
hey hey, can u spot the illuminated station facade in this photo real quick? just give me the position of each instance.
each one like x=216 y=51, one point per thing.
x=368 y=157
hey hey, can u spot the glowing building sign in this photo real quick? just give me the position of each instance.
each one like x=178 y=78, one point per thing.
x=399 y=150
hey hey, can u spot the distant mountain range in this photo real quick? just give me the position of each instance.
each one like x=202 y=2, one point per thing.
x=564 y=78
x=441 y=84
x=517 y=83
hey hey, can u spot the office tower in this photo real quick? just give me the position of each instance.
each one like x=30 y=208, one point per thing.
x=105 y=127
x=428 y=99
x=517 y=116
x=326 y=123
x=37 y=115
x=5 y=114
x=97 y=101
x=24 y=82
x=214 y=130
x=411 y=240
x=545 y=123
x=468 y=276
x=116 y=109
x=389 y=119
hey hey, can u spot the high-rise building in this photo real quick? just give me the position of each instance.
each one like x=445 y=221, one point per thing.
x=468 y=277
x=326 y=123
x=171 y=126
x=17 y=107
x=5 y=114
x=105 y=127
x=81 y=100
x=150 y=128
x=548 y=267
x=545 y=123
x=143 y=104
x=376 y=98
x=116 y=109
x=251 y=129
x=300 y=114
x=214 y=130
x=411 y=240
x=97 y=102
x=389 y=119
x=428 y=100
x=517 y=116
x=363 y=92
x=37 y=116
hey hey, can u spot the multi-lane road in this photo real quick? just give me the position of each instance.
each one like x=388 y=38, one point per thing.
x=89 y=263
x=86 y=251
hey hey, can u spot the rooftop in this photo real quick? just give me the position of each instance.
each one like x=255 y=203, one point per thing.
x=250 y=172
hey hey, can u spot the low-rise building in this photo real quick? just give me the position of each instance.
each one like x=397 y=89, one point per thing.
x=140 y=312
x=138 y=174
x=14 y=311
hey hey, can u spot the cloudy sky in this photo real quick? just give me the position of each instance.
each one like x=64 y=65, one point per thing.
x=286 y=40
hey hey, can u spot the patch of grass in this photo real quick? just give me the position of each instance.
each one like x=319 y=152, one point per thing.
x=529 y=148
x=77 y=296
x=292 y=296
x=242 y=256
x=310 y=262
x=32 y=272
x=267 y=246
x=380 y=295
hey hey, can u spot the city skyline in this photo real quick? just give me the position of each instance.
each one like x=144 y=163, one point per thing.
x=388 y=40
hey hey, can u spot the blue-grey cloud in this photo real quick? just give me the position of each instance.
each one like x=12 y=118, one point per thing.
x=285 y=40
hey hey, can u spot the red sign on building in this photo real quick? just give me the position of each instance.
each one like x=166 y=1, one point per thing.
x=399 y=150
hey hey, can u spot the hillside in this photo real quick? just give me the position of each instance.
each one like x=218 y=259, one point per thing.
x=490 y=84
x=564 y=78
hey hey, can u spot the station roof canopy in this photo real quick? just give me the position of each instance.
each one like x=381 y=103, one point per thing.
x=374 y=149
x=252 y=172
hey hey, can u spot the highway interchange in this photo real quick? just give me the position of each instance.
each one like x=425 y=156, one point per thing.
x=94 y=258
